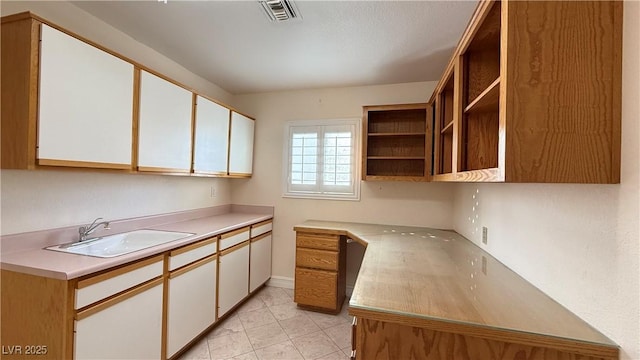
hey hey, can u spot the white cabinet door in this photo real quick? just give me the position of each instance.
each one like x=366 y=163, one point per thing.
x=85 y=104
x=192 y=304
x=233 y=278
x=241 y=145
x=164 y=140
x=211 y=146
x=130 y=329
x=260 y=261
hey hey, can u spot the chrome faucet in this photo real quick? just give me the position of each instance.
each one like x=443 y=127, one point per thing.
x=84 y=231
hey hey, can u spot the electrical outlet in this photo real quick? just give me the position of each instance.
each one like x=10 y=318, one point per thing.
x=213 y=192
x=484 y=235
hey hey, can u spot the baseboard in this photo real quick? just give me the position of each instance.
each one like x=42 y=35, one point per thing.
x=281 y=282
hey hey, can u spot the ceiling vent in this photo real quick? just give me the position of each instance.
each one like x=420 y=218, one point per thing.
x=280 y=10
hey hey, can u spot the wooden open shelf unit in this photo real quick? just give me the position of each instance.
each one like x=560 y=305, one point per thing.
x=444 y=128
x=532 y=94
x=397 y=142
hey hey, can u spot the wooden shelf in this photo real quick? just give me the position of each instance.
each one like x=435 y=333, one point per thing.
x=487 y=100
x=448 y=128
x=398 y=134
x=518 y=123
x=395 y=157
x=397 y=142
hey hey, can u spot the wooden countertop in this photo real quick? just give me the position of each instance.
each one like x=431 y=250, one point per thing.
x=25 y=253
x=439 y=280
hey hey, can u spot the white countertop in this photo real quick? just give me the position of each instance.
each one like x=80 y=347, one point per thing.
x=430 y=277
x=53 y=264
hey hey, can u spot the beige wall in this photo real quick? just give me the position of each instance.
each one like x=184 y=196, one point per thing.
x=34 y=200
x=381 y=202
x=580 y=244
x=74 y=19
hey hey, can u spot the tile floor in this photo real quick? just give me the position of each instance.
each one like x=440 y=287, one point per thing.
x=269 y=326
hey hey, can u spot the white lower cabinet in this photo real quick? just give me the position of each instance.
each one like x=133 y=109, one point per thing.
x=191 y=303
x=260 y=270
x=119 y=315
x=233 y=277
x=128 y=326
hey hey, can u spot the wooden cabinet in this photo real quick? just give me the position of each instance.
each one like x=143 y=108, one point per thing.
x=147 y=309
x=119 y=313
x=69 y=102
x=64 y=102
x=260 y=260
x=164 y=134
x=191 y=293
x=320 y=277
x=234 y=277
x=241 y=145
x=86 y=104
x=211 y=138
x=532 y=94
x=397 y=142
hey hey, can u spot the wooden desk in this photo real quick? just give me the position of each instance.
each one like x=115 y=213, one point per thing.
x=431 y=294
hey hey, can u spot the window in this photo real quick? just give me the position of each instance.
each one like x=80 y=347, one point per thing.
x=321 y=159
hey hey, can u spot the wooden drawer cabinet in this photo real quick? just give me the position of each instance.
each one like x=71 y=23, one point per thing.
x=317 y=288
x=320 y=271
x=317 y=241
x=317 y=259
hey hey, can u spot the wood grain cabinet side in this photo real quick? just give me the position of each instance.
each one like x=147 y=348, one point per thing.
x=410 y=342
x=320 y=276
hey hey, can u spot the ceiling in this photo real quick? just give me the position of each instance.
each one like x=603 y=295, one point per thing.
x=336 y=43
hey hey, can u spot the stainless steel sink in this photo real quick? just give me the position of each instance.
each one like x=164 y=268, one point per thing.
x=120 y=244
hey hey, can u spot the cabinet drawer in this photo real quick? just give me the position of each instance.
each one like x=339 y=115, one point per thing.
x=191 y=253
x=104 y=285
x=316 y=288
x=317 y=241
x=261 y=228
x=233 y=238
x=317 y=259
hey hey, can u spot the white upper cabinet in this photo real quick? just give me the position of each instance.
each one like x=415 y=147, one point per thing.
x=85 y=105
x=211 y=148
x=164 y=140
x=241 y=145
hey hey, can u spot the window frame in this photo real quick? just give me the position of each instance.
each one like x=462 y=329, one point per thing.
x=287 y=192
